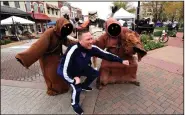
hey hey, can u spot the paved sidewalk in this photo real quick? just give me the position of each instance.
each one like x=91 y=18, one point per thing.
x=22 y=100
x=161 y=91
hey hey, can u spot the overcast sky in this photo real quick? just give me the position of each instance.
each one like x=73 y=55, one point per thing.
x=103 y=8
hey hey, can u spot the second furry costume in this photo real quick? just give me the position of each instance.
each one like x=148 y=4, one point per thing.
x=48 y=50
x=124 y=43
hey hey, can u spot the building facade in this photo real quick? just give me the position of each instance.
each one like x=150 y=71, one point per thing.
x=146 y=11
x=43 y=12
x=15 y=4
x=52 y=10
x=37 y=11
x=74 y=12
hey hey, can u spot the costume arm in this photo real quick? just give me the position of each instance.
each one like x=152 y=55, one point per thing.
x=133 y=40
x=36 y=50
x=105 y=55
x=83 y=26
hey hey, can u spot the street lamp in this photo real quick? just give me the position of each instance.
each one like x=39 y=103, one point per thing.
x=138 y=9
x=33 y=12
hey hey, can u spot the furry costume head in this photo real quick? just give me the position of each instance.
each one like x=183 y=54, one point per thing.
x=113 y=27
x=63 y=27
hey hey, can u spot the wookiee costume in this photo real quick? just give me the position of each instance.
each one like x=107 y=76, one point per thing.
x=124 y=43
x=48 y=50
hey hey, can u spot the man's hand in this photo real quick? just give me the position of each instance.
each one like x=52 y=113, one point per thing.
x=126 y=62
x=77 y=79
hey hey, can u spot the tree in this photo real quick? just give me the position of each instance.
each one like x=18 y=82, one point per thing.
x=125 y=5
x=174 y=10
x=157 y=9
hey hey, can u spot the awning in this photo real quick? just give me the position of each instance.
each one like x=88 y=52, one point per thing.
x=13 y=11
x=14 y=20
x=40 y=16
x=51 y=6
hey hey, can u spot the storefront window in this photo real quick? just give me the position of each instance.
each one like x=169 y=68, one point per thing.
x=32 y=28
x=6 y=3
x=53 y=11
x=35 y=7
x=28 y=6
x=17 y=4
x=41 y=9
x=48 y=10
x=39 y=28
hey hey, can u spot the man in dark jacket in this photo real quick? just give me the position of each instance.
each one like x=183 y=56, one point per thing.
x=75 y=63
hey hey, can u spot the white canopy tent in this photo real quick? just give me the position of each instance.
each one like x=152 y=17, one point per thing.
x=14 y=20
x=123 y=14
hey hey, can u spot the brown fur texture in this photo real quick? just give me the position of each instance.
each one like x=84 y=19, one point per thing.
x=125 y=46
x=48 y=50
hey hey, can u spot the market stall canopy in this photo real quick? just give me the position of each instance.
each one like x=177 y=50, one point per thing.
x=123 y=14
x=13 y=11
x=14 y=20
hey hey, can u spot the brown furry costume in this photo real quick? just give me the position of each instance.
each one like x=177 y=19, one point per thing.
x=48 y=50
x=125 y=45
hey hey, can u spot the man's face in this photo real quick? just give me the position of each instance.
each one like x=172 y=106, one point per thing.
x=86 y=41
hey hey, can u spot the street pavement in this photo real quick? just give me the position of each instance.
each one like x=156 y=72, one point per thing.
x=161 y=91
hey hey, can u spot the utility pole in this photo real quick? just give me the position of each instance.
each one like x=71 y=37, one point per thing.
x=138 y=9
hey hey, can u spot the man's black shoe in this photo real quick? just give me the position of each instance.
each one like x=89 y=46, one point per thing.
x=78 y=110
x=87 y=89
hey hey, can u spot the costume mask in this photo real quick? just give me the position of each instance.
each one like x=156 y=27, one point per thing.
x=66 y=30
x=114 y=29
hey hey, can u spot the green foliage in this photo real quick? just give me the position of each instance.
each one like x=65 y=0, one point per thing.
x=125 y=5
x=144 y=38
x=160 y=28
x=172 y=33
x=181 y=30
x=2 y=42
x=6 y=41
x=157 y=33
x=150 y=44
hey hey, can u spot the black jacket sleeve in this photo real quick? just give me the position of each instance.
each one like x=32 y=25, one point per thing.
x=96 y=51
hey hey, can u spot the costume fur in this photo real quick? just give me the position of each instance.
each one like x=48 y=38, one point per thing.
x=125 y=45
x=48 y=50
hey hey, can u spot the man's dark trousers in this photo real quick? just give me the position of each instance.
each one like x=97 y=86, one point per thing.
x=91 y=75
